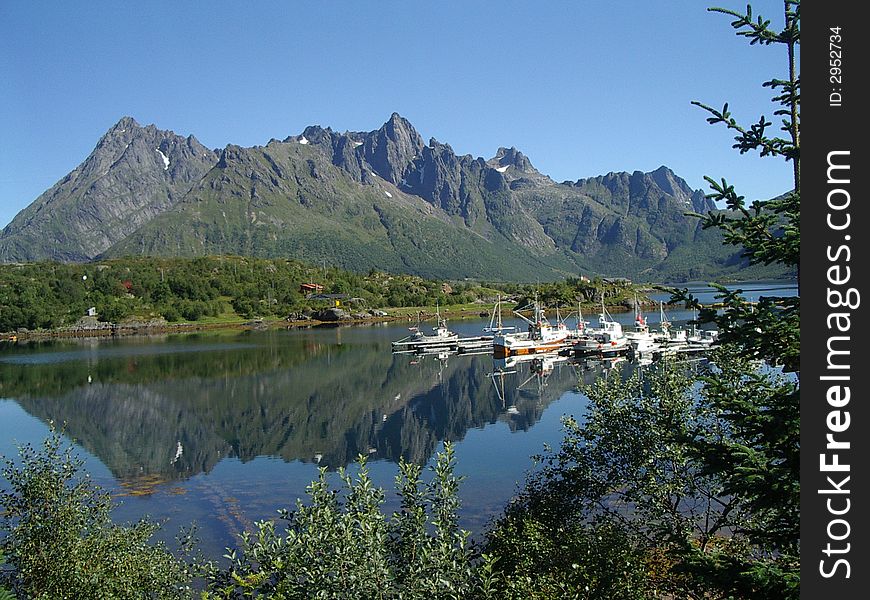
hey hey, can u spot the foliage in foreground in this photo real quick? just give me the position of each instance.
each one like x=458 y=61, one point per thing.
x=59 y=540
x=639 y=500
x=341 y=545
x=696 y=501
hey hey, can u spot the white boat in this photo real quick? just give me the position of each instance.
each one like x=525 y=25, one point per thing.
x=704 y=338
x=540 y=337
x=608 y=339
x=701 y=337
x=667 y=335
x=641 y=339
x=441 y=337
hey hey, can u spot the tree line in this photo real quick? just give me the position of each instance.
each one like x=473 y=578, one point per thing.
x=48 y=295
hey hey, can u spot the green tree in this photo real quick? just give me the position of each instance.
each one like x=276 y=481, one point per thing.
x=756 y=457
x=341 y=545
x=112 y=310
x=700 y=481
x=768 y=231
x=611 y=499
x=60 y=541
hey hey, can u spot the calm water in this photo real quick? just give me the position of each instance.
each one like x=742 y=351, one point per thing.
x=751 y=290
x=222 y=429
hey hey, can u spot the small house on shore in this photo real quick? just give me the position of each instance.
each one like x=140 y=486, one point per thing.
x=310 y=288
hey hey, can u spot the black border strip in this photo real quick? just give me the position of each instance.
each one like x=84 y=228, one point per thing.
x=832 y=107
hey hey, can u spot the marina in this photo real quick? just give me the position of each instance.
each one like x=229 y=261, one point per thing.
x=440 y=339
x=541 y=337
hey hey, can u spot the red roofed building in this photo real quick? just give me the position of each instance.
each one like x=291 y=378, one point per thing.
x=310 y=288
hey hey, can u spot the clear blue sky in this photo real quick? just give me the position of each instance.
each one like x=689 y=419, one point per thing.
x=582 y=87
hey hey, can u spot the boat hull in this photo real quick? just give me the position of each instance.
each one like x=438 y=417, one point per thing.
x=427 y=342
x=501 y=350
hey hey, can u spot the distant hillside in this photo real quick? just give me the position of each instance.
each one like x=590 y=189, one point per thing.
x=360 y=200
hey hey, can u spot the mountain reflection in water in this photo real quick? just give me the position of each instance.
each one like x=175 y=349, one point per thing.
x=162 y=411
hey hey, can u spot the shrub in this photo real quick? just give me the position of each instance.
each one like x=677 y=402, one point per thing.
x=60 y=541
x=341 y=545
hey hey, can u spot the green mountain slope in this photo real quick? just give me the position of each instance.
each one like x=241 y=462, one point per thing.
x=288 y=199
x=360 y=200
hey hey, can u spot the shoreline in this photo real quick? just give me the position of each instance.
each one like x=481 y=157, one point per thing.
x=110 y=330
x=406 y=314
x=158 y=326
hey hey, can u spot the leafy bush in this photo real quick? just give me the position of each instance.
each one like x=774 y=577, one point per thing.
x=60 y=541
x=540 y=561
x=112 y=310
x=342 y=546
x=170 y=313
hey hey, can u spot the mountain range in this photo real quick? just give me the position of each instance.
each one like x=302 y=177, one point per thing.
x=381 y=199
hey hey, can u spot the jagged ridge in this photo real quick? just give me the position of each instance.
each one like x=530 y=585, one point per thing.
x=360 y=200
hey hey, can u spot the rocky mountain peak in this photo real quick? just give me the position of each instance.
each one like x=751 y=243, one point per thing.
x=123 y=125
x=315 y=134
x=391 y=149
x=517 y=169
x=677 y=187
x=511 y=157
x=133 y=174
x=399 y=132
x=669 y=182
x=440 y=147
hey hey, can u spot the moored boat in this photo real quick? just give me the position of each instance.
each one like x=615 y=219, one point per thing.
x=667 y=335
x=541 y=336
x=704 y=338
x=641 y=339
x=441 y=337
x=608 y=339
